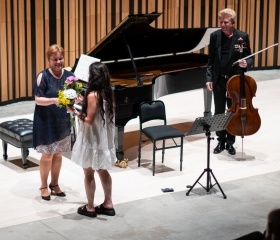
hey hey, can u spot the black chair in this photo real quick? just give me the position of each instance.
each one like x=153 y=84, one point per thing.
x=155 y=110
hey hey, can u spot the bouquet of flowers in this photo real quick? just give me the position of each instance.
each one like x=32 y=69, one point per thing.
x=71 y=90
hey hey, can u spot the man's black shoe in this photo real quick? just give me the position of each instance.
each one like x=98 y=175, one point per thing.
x=220 y=147
x=230 y=149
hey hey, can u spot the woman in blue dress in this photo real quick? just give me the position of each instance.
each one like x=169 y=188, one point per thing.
x=51 y=125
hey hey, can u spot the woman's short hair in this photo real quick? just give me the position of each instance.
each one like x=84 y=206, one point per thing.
x=52 y=49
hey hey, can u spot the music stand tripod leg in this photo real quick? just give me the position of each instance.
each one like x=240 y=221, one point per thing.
x=208 y=184
x=217 y=184
x=197 y=181
x=209 y=170
x=203 y=124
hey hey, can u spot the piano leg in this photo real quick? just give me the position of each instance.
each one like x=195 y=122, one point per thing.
x=207 y=102
x=119 y=142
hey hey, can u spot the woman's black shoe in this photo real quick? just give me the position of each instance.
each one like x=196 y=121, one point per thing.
x=83 y=211
x=105 y=211
x=46 y=198
x=60 y=194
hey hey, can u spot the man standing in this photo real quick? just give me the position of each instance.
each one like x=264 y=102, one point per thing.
x=223 y=52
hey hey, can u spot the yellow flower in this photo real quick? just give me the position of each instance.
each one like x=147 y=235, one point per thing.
x=62 y=100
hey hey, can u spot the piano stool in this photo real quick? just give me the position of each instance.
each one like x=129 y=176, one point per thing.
x=18 y=133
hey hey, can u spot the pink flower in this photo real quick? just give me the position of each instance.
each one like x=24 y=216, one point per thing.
x=71 y=80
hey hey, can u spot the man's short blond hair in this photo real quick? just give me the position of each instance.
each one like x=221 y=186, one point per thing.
x=228 y=12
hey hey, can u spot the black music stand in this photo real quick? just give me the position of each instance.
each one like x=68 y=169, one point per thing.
x=207 y=124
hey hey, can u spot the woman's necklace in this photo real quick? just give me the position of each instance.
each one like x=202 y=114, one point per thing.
x=56 y=75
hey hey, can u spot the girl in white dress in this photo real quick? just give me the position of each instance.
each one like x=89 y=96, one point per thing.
x=94 y=149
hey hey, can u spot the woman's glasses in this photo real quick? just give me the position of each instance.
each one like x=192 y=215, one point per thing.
x=57 y=59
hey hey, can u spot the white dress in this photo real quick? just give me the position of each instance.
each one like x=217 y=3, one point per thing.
x=94 y=146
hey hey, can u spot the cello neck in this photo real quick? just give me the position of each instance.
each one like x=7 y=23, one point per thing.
x=242 y=75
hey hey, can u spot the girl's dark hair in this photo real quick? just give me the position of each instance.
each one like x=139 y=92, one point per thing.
x=99 y=82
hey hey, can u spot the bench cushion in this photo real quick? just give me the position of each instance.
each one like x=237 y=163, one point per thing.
x=20 y=129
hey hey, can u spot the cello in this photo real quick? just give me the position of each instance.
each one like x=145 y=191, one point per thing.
x=241 y=89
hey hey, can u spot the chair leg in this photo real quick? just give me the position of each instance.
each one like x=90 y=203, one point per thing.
x=139 y=150
x=163 y=151
x=4 y=145
x=154 y=157
x=181 y=154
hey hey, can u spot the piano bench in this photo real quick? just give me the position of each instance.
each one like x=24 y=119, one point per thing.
x=18 y=133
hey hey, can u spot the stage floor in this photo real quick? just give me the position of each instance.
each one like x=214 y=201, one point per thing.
x=250 y=180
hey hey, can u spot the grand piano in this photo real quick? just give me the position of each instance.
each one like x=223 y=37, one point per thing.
x=146 y=63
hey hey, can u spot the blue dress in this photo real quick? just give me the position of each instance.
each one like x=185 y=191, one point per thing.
x=51 y=124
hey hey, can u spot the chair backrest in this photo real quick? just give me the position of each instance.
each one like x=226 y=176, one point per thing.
x=152 y=110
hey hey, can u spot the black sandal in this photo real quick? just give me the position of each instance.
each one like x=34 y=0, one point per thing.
x=60 y=194
x=46 y=198
x=105 y=211
x=83 y=211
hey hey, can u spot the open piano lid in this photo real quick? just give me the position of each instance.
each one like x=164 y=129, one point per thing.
x=146 y=41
